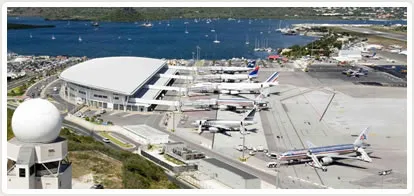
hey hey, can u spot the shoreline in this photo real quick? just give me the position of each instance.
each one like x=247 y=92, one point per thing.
x=204 y=18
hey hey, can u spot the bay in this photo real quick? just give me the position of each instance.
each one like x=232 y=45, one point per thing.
x=160 y=40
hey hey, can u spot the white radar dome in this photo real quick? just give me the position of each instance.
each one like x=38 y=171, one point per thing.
x=36 y=121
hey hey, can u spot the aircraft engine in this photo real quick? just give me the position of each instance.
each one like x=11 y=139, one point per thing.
x=213 y=129
x=224 y=91
x=222 y=107
x=326 y=160
x=234 y=92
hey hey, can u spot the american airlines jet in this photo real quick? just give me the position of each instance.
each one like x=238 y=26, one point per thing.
x=325 y=155
x=237 y=88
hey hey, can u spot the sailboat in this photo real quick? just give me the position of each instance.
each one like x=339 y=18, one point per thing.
x=247 y=40
x=186 y=31
x=256 y=45
x=79 y=39
x=279 y=29
x=53 y=37
x=216 y=41
x=147 y=24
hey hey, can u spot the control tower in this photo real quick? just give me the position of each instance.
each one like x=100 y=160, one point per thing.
x=37 y=155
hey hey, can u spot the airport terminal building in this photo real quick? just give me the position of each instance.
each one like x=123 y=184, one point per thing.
x=115 y=83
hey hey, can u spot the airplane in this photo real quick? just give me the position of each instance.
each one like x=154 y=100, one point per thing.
x=372 y=56
x=231 y=70
x=221 y=126
x=235 y=104
x=355 y=73
x=236 y=88
x=325 y=155
x=231 y=104
x=237 y=77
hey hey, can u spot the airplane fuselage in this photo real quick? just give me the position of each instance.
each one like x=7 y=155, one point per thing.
x=233 y=124
x=302 y=153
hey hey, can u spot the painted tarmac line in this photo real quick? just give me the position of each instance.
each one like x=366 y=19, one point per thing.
x=127 y=115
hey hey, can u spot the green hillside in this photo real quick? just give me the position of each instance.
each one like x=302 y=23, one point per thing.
x=139 y=14
x=137 y=172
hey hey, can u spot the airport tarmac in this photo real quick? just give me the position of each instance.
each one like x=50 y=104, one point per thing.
x=294 y=117
x=296 y=108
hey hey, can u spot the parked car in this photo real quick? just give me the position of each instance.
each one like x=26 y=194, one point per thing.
x=55 y=89
x=271 y=164
x=106 y=140
x=272 y=155
x=260 y=148
x=239 y=147
x=97 y=186
x=252 y=153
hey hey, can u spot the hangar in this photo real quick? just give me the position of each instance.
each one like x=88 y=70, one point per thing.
x=116 y=83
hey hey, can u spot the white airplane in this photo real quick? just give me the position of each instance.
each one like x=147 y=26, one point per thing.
x=233 y=77
x=355 y=73
x=221 y=126
x=231 y=70
x=372 y=56
x=232 y=104
x=237 y=88
x=325 y=155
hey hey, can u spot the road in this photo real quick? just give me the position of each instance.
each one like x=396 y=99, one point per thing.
x=262 y=174
x=378 y=33
x=35 y=90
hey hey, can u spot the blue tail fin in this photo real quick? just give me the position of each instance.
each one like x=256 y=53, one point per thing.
x=251 y=64
x=254 y=72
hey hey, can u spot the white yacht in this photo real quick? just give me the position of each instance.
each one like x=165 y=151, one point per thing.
x=216 y=41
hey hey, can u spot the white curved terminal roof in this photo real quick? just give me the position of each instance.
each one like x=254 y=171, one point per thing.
x=123 y=75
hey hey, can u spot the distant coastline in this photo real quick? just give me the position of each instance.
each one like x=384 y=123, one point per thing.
x=27 y=26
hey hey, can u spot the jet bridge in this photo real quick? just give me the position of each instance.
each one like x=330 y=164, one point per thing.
x=168 y=88
x=183 y=68
x=157 y=102
x=176 y=76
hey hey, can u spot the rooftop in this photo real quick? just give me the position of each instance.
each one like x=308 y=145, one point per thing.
x=123 y=75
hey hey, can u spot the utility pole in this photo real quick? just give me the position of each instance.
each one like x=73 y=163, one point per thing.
x=244 y=141
x=212 y=142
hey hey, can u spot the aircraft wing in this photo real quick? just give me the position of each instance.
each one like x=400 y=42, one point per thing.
x=315 y=160
x=222 y=127
x=336 y=156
